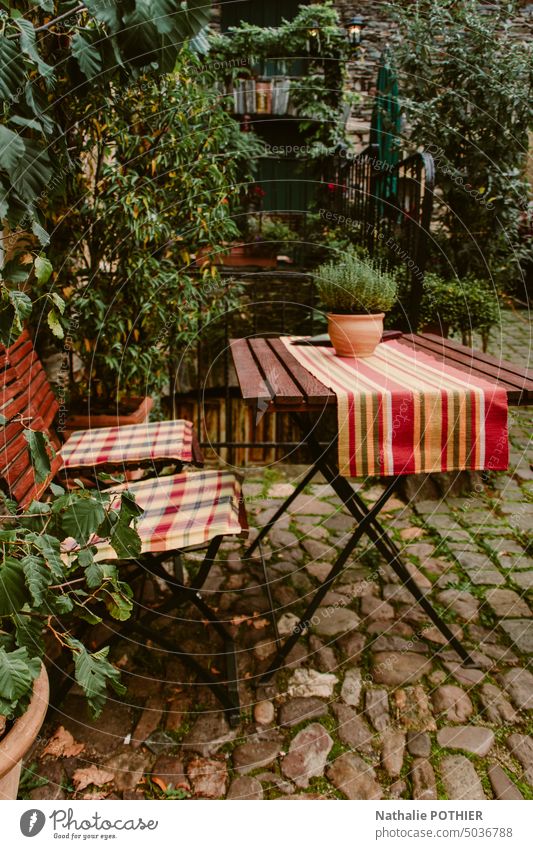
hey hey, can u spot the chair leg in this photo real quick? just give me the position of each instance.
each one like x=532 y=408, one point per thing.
x=227 y=692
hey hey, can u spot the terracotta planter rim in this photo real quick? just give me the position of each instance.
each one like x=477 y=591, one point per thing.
x=355 y=316
x=138 y=415
x=18 y=740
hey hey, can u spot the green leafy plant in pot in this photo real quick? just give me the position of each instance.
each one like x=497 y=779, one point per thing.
x=356 y=292
x=50 y=580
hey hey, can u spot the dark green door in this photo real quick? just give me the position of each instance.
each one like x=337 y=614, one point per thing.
x=263 y=13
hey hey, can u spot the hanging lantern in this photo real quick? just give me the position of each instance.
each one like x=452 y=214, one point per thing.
x=355 y=33
x=313 y=39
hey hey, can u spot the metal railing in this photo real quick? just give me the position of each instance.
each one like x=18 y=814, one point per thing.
x=389 y=208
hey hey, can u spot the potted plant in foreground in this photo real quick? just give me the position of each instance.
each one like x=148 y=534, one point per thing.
x=48 y=580
x=356 y=293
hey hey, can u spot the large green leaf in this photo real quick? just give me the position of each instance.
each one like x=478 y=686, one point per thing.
x=13 y=592
x=82 y=519
x=18 y=671
x=54 y=323
x=38 y=577
x=93 y=673
x=125 y=539
x=33 y=171
x=106 y=12
x=38 y=104
x=119 y=602
x=38 y=444
x=29 y=123
x=49 y=547
x=43 y=269
x=28 y=46
x=11 y=149
x=87 y=56
x=40 y=232
x=28 y=634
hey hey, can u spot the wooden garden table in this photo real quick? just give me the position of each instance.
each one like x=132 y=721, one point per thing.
x=271 y=380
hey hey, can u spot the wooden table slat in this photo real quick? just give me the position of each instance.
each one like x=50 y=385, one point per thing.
x=491 y=367
x=471 y=365
x=250 y=378
x=314 y=391
x=283 y=389
x=453 y=346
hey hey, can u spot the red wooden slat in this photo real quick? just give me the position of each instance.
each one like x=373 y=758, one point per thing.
x=22 y=356
x=518 y=390
x=253 y=387
x=485 y=365
x=481 y=356
x=314 y=391
x=282 y=387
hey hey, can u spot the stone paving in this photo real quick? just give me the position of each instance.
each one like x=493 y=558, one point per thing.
x=373 y=705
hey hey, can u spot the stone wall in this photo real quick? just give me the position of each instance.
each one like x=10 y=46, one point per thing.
x=378 y=32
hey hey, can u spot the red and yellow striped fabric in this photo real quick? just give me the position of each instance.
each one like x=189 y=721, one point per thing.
x=129 y=444
x=181 y=511
x=402 y=411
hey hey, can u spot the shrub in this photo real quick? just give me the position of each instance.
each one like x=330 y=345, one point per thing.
x=355 y=285
x=46 y=585
x=462 y=306
x=466 y=90
x=162 y=172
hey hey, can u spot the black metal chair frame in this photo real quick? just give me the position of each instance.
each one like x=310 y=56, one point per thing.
x=226 y=689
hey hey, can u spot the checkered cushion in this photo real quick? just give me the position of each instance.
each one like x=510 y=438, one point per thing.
x=183 y=510
x=117 y=446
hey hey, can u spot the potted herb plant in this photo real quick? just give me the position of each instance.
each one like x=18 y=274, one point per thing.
x=356 y=293
x=48 y=580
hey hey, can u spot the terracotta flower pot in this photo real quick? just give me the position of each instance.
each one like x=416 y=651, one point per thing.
x=355 y=335
x=17 y=742
x=241 y=256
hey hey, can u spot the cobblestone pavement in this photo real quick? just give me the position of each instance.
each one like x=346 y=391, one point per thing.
x=373 y=705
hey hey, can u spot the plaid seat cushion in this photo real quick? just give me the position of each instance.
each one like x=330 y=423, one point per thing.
x=129 y=444
x=183 y=510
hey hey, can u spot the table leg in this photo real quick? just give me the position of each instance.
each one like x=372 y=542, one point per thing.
x=381 y=540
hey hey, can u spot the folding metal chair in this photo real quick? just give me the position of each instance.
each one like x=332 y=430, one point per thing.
x=189 y=511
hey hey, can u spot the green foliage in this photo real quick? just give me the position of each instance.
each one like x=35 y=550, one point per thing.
x=18 y=671
x=51 y=53
x=462 y=306
x=93 y=673
x=272 y=233
x=319 y=96
x=49 y=578
x=166 y=168
x=466 y=85
x=355 y=284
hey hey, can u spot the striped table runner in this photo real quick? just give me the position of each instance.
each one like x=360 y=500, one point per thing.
x=402 y=411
